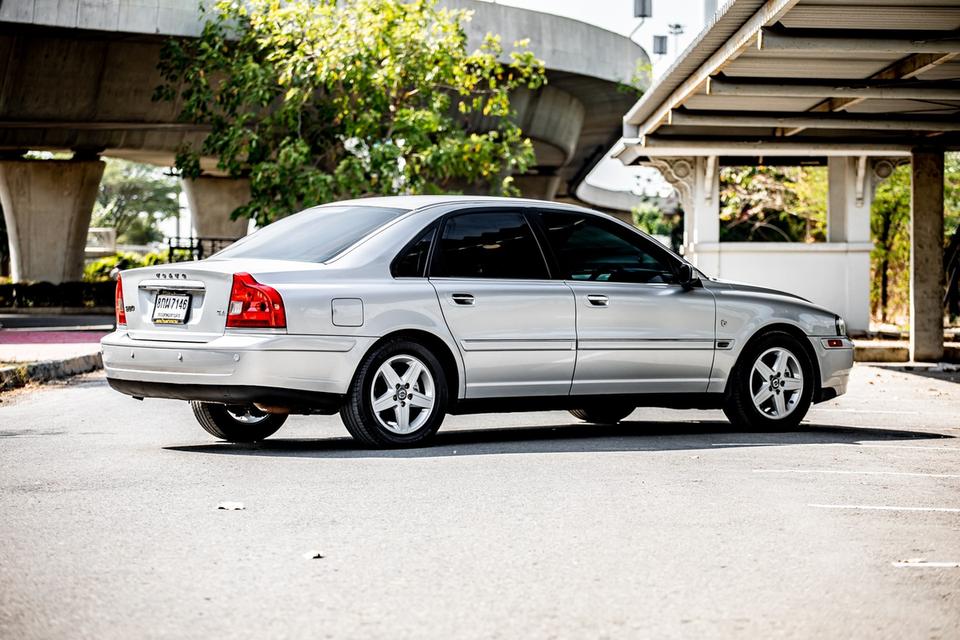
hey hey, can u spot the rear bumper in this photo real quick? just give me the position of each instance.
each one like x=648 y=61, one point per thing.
x=297 y=401
x=233 y=364
x=835 y=364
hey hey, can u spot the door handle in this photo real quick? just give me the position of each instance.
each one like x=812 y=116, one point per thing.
x=597 y=300
x=465 y=299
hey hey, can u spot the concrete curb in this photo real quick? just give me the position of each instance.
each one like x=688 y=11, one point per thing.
x=22 y=374
x=879 y=352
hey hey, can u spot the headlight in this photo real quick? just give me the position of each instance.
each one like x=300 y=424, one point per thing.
x=841 y=327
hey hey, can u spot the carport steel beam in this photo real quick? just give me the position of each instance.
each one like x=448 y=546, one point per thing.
x=871 y=89
x=855 y=42
x=813 y=121
x=629 y=150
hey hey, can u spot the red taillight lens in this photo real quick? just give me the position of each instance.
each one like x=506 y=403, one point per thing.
x=121 y=312
x=254 y=305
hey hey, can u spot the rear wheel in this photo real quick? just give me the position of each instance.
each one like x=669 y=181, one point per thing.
x=236 y=423
x=398 y=397
x=772 y=385
x=603 y=415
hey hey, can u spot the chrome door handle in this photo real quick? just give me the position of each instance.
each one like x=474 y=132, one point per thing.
x=463 y=298
x=597 y=300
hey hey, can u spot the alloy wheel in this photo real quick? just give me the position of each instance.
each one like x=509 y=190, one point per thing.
x=402 y=394
x=776 y=383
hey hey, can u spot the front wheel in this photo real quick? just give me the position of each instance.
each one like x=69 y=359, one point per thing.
x=236 y=424
x=772 y=385
x=398 y=397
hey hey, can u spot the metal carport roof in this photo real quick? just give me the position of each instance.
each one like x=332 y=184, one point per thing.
x=807 y=78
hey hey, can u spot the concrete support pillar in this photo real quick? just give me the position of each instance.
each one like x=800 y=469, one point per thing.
x=212 y=200
x=697 y=181
x=47 y=206
x=851 y=194
x=926 y=256
x=851 y=185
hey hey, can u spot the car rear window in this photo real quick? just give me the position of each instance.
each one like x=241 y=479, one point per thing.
x=314 y=235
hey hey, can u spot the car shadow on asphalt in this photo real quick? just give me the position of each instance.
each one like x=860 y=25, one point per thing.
x=571 y=438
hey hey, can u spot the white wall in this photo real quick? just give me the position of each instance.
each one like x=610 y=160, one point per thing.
x=835 y=275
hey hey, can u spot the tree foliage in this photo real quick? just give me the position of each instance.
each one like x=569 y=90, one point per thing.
x=773 y=204
x=319 y=100
x=890 y=227
x=133 y=198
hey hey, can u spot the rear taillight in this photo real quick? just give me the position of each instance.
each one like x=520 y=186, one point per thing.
x=121 y=312
x=254 y=305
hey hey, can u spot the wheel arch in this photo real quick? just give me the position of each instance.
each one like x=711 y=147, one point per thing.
x=790 y=329
x=437 y=345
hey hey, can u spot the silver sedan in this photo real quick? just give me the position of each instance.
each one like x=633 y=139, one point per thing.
x=397 y=311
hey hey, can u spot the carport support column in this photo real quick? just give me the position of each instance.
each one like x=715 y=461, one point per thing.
x=926 y=256
x=47 y=206
x=212 y=200
x=697 y=181
x=851 y=183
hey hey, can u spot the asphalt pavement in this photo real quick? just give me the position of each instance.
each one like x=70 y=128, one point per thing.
x=671 y=525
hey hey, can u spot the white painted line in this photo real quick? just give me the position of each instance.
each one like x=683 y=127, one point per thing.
x=923 y=564
x=870 y=507
x=865 y=473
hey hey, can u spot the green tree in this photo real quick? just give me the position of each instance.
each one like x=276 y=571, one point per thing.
x=318 y=100
x=133 y=199
x=773 y=204
x=890 y=257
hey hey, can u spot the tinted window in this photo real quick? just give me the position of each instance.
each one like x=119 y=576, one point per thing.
x=314 y=235
x=489 y=245
x=412 y=262
x=590 y=248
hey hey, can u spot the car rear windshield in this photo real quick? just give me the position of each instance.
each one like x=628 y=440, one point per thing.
x=314 y=235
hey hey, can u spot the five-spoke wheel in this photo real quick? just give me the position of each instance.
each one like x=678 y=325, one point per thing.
x=771 y=386
x=402 y=394
x=776 y=382
x=398 y=397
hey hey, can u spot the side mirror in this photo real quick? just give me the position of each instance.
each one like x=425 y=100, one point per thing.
x=686 y=277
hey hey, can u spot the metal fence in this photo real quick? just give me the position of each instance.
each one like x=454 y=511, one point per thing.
x=184 y=249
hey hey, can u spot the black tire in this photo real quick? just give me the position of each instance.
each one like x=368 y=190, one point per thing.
x=218 y=421
x=739 y=406
x=603 y=415
x=357 y=412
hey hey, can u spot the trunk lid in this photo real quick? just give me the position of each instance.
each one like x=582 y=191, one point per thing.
x=204 y=286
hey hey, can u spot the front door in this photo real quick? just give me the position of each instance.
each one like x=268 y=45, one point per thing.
x=638 y=331
x=514 y=326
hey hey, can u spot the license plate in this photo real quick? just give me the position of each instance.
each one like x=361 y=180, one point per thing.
x=171 y=308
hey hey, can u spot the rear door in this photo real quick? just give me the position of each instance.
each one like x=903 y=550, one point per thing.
x=515 y=327
x=638 y=330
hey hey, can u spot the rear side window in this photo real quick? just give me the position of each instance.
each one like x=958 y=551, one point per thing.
x=412 y=261
x=591 y=248
x=314 y=235
x=489 y=245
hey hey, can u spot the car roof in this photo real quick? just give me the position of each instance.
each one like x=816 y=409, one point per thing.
x=411 y=203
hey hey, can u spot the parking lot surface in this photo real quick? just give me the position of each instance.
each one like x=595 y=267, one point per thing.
x=671 y=524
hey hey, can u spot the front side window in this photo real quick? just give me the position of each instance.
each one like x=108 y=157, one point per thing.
x=590 y=248
x=489 y=245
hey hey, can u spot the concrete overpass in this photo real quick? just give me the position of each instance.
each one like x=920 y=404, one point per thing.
x=79 y=76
